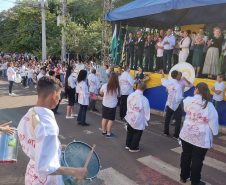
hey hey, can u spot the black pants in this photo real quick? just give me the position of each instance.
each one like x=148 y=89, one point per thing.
x=133 y=137
x=119 y=100
x=223 y=66
x=190 y=57
x=82 y=113
x=130 y=57
x=159 y=63
x=191 y=164
x=58 y=77
x=149 y=62
x=177 y=115
x=203 y=61
x=24 y=81
x=123 y=106
x=138 y=56
x=56 y=108
x=10 y=86
x=175 y=59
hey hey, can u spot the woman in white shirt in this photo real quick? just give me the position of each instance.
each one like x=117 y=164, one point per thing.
x=184 y=47
x=11 y=78
x=70 y=92
x=159 y=58
x=83 y=97
x=110 y=92
x=201 y=123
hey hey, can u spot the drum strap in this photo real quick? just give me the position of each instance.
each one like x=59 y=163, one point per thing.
x=191 y=106
x=136 y=97
x=34 y=121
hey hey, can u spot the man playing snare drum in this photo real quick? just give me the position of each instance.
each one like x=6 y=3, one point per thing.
x=38 y=134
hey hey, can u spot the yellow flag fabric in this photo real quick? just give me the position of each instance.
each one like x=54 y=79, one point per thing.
x=193 y=27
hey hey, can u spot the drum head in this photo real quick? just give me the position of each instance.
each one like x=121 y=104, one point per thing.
x=187 y=71
x=76 y=154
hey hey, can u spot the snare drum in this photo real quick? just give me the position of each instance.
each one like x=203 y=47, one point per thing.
x=75 y=155
x=8 y=148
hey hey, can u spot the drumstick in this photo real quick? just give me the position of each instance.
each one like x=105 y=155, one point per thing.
x=5 y=124
x=88 y=159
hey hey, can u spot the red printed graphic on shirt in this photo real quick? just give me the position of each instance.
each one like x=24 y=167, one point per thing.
x=192 y=134
x=132 y=116
x=31 y=142
x=31 y=177
x=21 y=137
x=124 y=82
x=135 y=108
x=26 y=119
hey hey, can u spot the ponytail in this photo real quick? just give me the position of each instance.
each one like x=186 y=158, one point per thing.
x=205 y=92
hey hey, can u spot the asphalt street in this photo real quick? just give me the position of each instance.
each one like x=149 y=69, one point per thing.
x=158 y=162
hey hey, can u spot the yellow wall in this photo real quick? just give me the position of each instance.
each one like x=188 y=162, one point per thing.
x=193 y=27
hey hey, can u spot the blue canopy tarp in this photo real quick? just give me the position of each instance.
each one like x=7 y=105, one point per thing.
x=169 y=12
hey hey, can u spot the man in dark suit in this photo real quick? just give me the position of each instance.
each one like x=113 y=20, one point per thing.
x=149 y=53
x=130 y=50
x=139 y=49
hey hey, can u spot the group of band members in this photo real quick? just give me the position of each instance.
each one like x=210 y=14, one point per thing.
x=43 y=147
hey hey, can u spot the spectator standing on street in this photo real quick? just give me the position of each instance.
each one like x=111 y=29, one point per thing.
x=24 y=74
x=11 y=78
x=83 y=97
x=110 y=92
x=4 y=69
x=201 y=123
x=169 y=43
x=218 y=90
x=137 y=117
x=126 y=83
x=107 y=70
x=30 y=77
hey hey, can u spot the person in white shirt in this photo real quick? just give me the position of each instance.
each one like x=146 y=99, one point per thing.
x=110 y=92
x=11 y=78
x=200 y=124
x=218 y=90
x=42 y=73
x=173 y=103
x=93 y=85
x=137 y=116
x=38 y=135
x=62 y=73
x=70 y=93
x=126 y=83
x=24 y=74
x=184 y=47
x=169 y=42
x=107 y=70
x=83 y=97
x=4 y=69
x=159 y=59
x=30 y=77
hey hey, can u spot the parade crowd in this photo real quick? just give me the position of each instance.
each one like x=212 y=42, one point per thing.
x=54 y=81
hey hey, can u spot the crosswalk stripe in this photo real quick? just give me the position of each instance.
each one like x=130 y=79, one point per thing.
x=222 y=137
x=112 y=177
x=219 y=148
x=163 y=168
x=209 y=161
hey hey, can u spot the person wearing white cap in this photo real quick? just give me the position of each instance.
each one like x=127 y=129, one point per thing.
x=139 y=49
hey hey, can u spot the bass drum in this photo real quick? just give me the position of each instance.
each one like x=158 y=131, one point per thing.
x=18 y=78
x=75 y=155
x=187 y=71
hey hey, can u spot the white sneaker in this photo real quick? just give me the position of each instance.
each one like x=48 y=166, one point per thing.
x=35 y=86
x=74 y=115
x=26 y=87
x=69 y=117
x=12 y=94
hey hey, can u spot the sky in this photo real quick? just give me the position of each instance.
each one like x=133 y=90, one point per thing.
x=6 y=4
